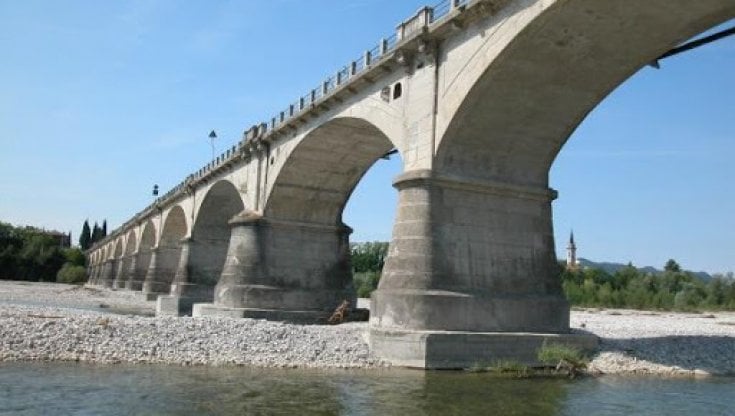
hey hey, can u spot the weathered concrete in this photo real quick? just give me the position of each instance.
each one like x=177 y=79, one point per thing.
x=462 y=349
x=107 y=274
x=478 y=102
x=470 y=256
x=167 y=305
x=282 y=266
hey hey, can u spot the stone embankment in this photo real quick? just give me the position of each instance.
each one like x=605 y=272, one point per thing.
x=59 y=322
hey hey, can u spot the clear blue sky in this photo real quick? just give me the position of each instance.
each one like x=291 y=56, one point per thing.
x=100 y=100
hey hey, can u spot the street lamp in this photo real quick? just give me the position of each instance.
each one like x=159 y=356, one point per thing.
x=155 y=190
x=212 y=136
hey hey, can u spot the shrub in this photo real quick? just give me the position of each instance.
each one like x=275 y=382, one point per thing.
x=563 y=357
x=365 y=283
x=70 y=273
x=74 y=256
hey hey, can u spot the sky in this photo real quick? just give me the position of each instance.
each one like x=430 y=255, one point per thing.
x=101 y=100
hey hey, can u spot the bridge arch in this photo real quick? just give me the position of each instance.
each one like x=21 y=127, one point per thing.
x=168 y=253
x=143 y=257
x=128 y=259
x=532 y=73
x=323 y=169
x=295 y=256
x=566 y=58
x=117 y=261
x=210 y=239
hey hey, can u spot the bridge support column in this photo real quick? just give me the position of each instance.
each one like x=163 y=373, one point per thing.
x=90 y=274
x=136 y=273
x=107 y=274
x=282 y=270
x=96 y=273
x=470 y=276
x=164 y=264
x=119 y=282
x=184 y=293
x=151 y=275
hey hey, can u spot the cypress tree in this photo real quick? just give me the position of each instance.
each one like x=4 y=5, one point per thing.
x=96 y=233
x=85 y=238
x=104 y=228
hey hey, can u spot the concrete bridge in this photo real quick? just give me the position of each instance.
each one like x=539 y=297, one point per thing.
x=478 y=97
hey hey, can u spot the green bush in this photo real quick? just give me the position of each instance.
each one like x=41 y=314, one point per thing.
x=70 y=273
x=74 y=256
x=365 y=283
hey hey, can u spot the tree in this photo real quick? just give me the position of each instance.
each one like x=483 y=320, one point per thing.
x=85 y=238
x=672 y=266
x=96 y=233
x=104 y=228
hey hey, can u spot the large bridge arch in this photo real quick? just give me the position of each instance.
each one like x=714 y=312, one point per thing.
x=294 y=255
x=514 y=88
x=207 y=247
x=323 y=169
x=167 y=252
x=525 y=94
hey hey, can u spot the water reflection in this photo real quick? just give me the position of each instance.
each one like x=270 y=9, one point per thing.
x=38 y=388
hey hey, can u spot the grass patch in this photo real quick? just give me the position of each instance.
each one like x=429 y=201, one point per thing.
x=565 y=359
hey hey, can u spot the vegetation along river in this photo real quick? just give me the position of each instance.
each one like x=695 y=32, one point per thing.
x=81 y=389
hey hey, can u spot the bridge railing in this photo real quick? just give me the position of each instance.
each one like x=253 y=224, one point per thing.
x=371 y=57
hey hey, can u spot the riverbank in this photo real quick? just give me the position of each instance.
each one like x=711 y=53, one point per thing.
x=50 y=322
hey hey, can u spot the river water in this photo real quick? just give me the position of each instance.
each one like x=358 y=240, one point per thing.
x=79 y=389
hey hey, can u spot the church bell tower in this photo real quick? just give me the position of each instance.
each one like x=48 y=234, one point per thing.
x=571 y=253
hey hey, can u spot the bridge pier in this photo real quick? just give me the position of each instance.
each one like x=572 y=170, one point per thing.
x=137 y=271
x=186 y=289
x=106 y=277
x=119 y=282
x=283 y=270
x=149 y=282
x=470 y=275
x=161 y=272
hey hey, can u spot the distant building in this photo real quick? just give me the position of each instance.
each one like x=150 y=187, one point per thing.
x=572 y=263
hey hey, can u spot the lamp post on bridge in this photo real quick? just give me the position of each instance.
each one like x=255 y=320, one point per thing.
x=212 y=136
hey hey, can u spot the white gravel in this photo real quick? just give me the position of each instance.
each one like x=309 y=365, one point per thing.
x=32 y=329
x=662 y=343
x=61 y=322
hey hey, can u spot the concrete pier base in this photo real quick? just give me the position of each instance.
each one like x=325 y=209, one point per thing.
x=167 y=305
x=458 y=349
x=290 y=316
x=292 y=269
x=303 y=317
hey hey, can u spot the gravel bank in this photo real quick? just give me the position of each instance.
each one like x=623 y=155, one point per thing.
x=60 y=322
x=661 y=343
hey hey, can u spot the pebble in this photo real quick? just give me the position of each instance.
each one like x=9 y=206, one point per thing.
x=44 y=322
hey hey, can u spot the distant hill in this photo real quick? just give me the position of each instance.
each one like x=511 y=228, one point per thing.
x=614 y=267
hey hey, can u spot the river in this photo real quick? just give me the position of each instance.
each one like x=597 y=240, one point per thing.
x=81 y=389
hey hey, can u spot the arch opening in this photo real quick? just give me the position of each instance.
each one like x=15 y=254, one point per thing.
x=117 y=263
x=298 y=253
x=490 y=223
x=533 y=95
x=169 y=252
x=321 y=173
x=143 y=257
x=127 y=262
x=210 y=238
